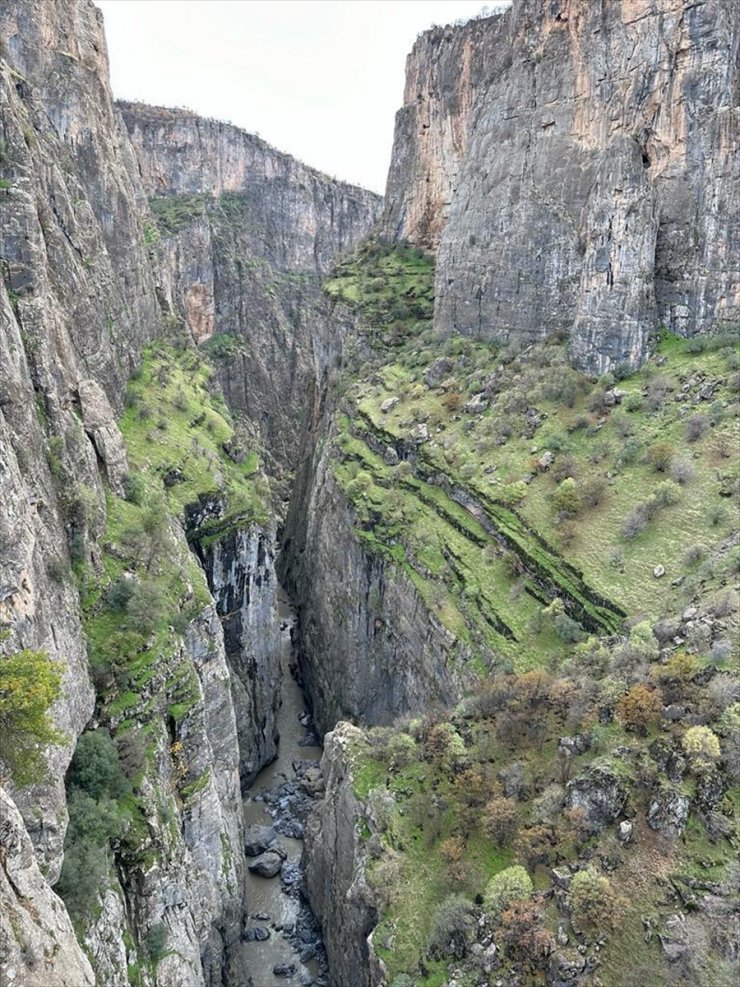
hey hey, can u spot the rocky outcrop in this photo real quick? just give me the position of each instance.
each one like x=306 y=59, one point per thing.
x=560 y=157
x=335 y=870
x=77 y=303
x=38 y=947
x=368 y=647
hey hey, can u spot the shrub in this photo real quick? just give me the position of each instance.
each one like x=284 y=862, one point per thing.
x=30 y=683
x=638 y=709
x=567 y=498
x=634 y=523
x=702 y=746
x=120 y=593
x=401 y=751
x=591 y=900
x=133 y=488
x=593 y=491
x=452 y=927
x=682 y=471
x=511 y=884
x=499 y=820
x=696 y=426
x=660 y=456
x=95 y=767
x=145 y=606
x=666 y=494
x=156 y=940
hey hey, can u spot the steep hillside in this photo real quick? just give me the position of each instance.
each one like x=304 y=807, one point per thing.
x=575 y=543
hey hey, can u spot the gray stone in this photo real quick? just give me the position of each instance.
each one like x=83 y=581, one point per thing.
x=659 y=571
x=390 y=456
x=266 y=864
x=477 y=404
x=257 y=839
x=389 y=404
x=668 y=812
x=558 y=222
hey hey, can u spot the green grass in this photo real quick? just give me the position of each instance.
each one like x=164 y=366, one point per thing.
x=470 y=517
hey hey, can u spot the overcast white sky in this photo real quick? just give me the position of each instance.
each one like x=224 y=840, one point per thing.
x=321 y=79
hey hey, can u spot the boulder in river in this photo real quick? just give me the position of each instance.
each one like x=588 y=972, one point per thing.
x=267 y=864
x=257 y=839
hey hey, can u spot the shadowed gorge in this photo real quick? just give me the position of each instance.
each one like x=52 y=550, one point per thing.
x=369 y=569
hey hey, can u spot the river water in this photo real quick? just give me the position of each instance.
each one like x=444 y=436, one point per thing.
x=278 y=799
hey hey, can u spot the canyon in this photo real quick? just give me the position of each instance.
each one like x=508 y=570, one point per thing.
x=226 y=377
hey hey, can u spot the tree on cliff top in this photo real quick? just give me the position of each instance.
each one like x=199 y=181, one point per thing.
x=29 y=683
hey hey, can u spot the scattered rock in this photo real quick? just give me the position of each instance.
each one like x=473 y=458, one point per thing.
x=420 y=433
x=257 y=839
x=390 y=456
x=600 y=794
x=436 y=373
x=267 y=864
x=284 y=970
x=477 y=404
x=659 y=571
x=626 y=829
x=260 y=934
x=546 y=459
x=389 y=404
x=562 y=937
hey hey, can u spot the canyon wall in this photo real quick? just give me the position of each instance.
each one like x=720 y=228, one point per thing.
x=246 y=260
x=575 y=167
x=86 y=286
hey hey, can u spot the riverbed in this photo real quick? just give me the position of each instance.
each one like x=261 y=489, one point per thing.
x=291 y=953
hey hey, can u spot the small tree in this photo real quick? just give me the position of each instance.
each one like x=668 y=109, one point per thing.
x=511 y=884
x=499 y=820
x=29 y=683
x=660 y=456
x=452 y=928
x=567 y=498
x=638 y=709
x=702 y=746
x=592 y=901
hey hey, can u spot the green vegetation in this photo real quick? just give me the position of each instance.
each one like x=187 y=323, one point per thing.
x=102 y=813
x=173 y=213
x=30 y=683
x=499 y=480
x=188 y=469
x=555 y=525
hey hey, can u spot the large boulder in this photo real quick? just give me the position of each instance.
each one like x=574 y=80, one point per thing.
x=600 y=794
x=669 y=811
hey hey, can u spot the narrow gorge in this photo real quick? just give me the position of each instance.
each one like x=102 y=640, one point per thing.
x=369 y=567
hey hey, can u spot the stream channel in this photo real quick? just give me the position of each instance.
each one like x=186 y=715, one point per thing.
x=281 y=940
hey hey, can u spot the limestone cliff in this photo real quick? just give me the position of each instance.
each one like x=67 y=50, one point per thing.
x=246 y=232
x=575 y=167
x=368 y=646
x=86 y=286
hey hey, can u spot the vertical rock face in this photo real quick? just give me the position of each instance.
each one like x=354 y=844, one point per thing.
x=241 y=574
x=591 y=154
x=77 y=304
x=335 y=878
x=300 y=218
x=37 y=945
x=247 y=262
x=368 y=647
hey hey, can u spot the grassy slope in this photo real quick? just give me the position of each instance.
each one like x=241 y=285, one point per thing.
x=479 y=583
x=471 y=575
